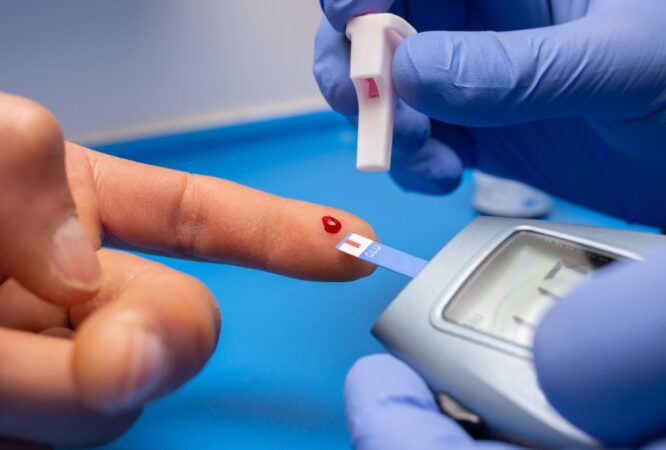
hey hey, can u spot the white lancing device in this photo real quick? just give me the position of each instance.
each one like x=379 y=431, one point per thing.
x=374 y=38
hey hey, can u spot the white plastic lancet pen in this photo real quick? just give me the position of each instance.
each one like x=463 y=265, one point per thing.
x=374 y=38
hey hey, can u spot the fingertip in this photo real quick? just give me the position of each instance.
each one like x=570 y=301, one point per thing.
x=312 y=250
x=74 y=258
x=150 y=334
x=73 y=274
x=130 y=370
x=68 y=272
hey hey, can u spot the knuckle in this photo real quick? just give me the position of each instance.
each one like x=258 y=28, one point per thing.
x=272 y=258
x=189 y=219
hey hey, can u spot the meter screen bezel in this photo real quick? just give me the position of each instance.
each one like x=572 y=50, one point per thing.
x=572 y=259
x=497 y=244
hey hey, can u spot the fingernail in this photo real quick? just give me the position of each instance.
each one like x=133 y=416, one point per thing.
x=74 y=256
x=148 y=368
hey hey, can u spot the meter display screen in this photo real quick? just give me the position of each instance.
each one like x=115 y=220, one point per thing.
x=512 y=289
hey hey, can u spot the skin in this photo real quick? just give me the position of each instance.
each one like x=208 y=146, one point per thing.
x=69 y=348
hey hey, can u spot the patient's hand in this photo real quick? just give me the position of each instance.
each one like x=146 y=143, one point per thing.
x=88 y=335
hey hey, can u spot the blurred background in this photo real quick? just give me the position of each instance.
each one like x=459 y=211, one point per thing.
x=225 y=88
x=120 y=69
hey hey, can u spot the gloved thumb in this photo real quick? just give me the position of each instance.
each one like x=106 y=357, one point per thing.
x=606 y=65
x=600 y=355
x=43 y=246
x=388 y=406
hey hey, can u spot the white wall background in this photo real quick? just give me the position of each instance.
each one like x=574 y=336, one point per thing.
x=117 y=69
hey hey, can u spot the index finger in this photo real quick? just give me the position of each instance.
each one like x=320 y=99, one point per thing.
x=165 y=211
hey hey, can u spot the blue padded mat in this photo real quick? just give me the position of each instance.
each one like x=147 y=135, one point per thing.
x=276 y=378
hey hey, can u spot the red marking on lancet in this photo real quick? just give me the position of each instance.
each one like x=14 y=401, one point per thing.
x=331 y=224
x=373 y=90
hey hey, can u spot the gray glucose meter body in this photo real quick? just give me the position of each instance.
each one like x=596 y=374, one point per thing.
x=466 y=322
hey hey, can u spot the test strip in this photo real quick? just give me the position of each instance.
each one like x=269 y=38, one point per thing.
x=381 y=255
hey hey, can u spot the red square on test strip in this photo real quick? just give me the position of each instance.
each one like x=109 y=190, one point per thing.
x=352 y=243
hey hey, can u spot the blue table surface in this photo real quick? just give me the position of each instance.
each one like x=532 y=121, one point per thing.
x=277 y=376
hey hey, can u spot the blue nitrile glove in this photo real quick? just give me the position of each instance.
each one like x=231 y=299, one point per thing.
x=600 y=357
x=573 y=101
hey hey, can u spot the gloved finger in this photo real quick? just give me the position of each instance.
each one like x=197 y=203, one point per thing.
x=599 y=354
x=388 y=406
x=339 y=12
x=39 y=401
x=331 y=69
x=42 y=244
x=152 y=329
x=165 y=211
x=432 y=169
x=574 y=69
x=20 y=309
x=411 y=129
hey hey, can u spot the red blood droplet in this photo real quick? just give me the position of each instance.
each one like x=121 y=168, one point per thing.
x=331 y=224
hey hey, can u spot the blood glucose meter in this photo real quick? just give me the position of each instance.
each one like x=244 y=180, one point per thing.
x=466 y=321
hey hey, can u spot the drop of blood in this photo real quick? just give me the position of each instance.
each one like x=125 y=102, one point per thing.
x=331 y=224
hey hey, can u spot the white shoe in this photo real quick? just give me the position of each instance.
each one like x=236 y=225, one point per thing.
x=507 y=198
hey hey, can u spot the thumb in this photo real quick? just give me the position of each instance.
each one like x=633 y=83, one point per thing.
x=388 y=406
x=600 y=355
x=42 y=244
x=607 y=65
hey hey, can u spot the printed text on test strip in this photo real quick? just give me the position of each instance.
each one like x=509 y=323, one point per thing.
x=381 y=255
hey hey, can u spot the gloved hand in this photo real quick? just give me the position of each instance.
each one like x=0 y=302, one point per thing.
x=600 y=357
x=568 y=95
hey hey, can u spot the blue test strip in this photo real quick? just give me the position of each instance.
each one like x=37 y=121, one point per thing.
x=381 y=255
